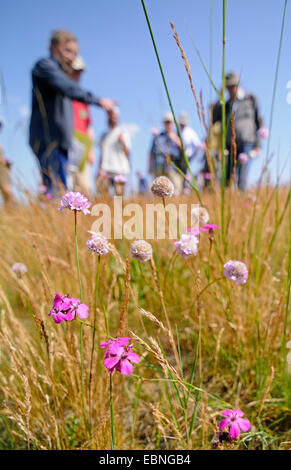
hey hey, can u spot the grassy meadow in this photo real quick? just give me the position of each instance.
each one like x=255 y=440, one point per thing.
x=223 y=347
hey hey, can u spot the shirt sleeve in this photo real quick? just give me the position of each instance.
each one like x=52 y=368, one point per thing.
x=49 y=72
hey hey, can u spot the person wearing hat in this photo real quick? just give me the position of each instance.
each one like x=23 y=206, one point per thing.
x=115 y=146
x=166 y=146
x=81 y=154
x=51 y=123
x=191 y=141
x=247 y=123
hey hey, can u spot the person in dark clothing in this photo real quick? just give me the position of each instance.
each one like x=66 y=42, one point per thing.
x=167 y=143
x=51 y=124
x=247 y=123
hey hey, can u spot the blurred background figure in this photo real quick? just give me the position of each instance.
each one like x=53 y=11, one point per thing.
x=191 y=141
x=166 y=147
x=5 y=175
x=51 y=124
x=142 y=183
x=114 y=166
x=247 y=124
x=81 y=155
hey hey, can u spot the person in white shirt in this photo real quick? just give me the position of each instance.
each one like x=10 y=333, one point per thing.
x=115 y=150
x=191 y=141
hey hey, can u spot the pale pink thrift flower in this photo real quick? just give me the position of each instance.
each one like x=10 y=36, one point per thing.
x=19 y=268
x=163 y=187
x=187 y=245
x=75 y=201
x=199 y=215
x=120 y=179
x=65 y=308
x=263 y=132
x=243 y=158
x=235 y=423
x=118 y=355
x=98 y=244
x=141 y=250
x=236 y=271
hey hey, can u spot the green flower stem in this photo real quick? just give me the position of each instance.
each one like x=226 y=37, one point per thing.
x=112 y=423
x=81 y=324
x=97 y=282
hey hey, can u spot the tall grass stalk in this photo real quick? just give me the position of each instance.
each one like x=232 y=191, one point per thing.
x=193 y=184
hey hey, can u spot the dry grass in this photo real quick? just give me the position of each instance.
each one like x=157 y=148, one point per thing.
x=240 y=360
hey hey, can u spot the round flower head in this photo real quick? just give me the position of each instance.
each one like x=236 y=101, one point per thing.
x=243 y=158
x=162 y=187
x=187 y=245
x=235 y=423
x=19 y=268
x=236 y=271
x=118 y=355
x=98 y=244
x=141 y=250
x=199 y=216
x=121 y=179
x=75 y=201
x=263 y=132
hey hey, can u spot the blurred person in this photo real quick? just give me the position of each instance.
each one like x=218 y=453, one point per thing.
x=166 y=145
x=51 y=124
x=191 y=141
x=247 y=124
x=5 y=174
x=142 y=183
x=81 y=155
x=115 y=145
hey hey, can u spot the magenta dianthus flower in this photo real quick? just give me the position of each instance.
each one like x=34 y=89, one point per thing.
x=65 y=308
x=236 y=271
x=187 y=245
x=75 y=201
x=118 y=355
x=234 y=421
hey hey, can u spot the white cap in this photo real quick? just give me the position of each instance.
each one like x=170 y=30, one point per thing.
x=168 y=117
x=78 y=64
x=183 y=118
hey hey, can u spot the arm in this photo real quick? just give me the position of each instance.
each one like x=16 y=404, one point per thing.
x=49 y=72
x=90 y=133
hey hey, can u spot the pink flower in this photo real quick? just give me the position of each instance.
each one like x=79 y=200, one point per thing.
x=75 y=201
x=243 y=158
x=235 y=423
x=65 y=308
x=208 y=228
x=19 y=268
x=121 y=179
x=118 y=355
x=98 y=244
x=187 y=245
x=263 y=132
x=236 y=271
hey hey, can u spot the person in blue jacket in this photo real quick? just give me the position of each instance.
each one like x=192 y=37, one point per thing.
x=51 y=123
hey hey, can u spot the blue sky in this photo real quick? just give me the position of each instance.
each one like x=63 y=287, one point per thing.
x=116 y=46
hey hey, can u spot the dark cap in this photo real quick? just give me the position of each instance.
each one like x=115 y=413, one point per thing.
x=232 y=79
